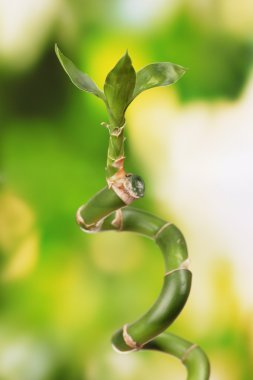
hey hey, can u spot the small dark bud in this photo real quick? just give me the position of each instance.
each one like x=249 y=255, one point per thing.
x=136 y=185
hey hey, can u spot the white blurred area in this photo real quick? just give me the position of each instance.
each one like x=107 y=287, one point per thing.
x=27 y=25
x=200 y=161
x=143 y=13
x=232 y=16
x=22 y=357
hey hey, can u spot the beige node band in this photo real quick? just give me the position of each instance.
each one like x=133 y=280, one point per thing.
x=89 y=228
x=129 y=340
x=119 y=162
x=162 y=229
x=117 y=178
x=185 y=265
x=188 y=351
x=117 y=131
x=118 y=220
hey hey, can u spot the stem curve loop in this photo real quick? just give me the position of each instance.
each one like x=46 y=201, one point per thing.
x=107 y=212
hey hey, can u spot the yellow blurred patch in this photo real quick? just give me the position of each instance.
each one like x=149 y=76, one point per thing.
x=106 y=54
x=16 y=218
x=225 y=366
x=23 y=260
x=120 y=253
x=19 y=239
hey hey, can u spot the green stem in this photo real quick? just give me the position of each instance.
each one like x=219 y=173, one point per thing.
x=191 y=355
x=105 y=212
x=115 y=154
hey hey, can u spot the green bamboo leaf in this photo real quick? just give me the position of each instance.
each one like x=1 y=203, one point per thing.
x=119 y=87
x=156 y=75
x=77 y=77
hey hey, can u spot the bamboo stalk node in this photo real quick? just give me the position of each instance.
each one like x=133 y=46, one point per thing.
x=183 y=266
x=187 y=352
x=119 y=162
x=130 y=342
x=88 y=228
x=168 y=224
x=118 y=220
x=117 y=131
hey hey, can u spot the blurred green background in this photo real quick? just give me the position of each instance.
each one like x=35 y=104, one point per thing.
x=63 y=293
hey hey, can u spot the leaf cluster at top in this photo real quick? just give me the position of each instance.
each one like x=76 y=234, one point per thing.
x=123 y=83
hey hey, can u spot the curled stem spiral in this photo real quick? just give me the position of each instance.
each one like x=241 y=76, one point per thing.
x=110 y=209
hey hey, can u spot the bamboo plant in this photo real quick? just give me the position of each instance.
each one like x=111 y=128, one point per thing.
x=110 y=209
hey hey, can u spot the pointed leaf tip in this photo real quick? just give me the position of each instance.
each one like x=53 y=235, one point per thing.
x=77 y=77
x=119 y=87
x=157 y=75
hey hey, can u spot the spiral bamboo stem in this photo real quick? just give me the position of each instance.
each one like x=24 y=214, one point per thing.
x=147 y=332
x=110 y=210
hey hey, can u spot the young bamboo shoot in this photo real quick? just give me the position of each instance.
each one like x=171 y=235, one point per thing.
x=110 y=209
